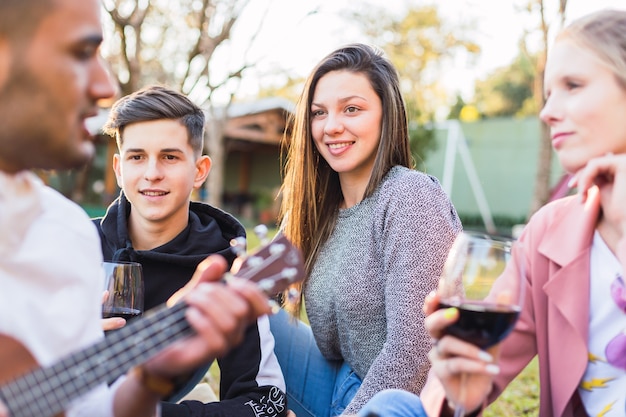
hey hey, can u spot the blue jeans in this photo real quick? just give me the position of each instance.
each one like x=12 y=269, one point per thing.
x=393 y=403
x=316 y=386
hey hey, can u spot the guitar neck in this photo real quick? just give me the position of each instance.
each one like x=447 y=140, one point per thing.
x=47 y=391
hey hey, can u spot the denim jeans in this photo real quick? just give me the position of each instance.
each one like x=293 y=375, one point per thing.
x=393 y=403
x=316 y=386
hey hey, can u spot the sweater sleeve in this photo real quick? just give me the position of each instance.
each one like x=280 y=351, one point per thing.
x=417 y=227
x=251 y=382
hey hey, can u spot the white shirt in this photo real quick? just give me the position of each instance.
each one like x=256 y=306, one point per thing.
x=603 y=387
x=50 y=278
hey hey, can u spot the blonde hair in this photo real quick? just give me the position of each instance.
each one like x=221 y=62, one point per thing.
x=604 y=34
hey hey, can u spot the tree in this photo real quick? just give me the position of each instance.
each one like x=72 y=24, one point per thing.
x=173 y=43
x=541 y=194
x=510 y=90
x=418 y=42
x=517 y=90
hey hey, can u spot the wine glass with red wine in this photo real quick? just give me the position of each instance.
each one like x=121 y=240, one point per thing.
x=486 y=285
x=123 y=290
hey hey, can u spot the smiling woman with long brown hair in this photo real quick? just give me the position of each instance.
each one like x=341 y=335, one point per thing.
x=374 y=233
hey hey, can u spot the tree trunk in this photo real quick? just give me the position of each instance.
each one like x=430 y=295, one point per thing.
x=544 y=171
x=544 y=163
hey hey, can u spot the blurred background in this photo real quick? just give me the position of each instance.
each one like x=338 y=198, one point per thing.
x=471 y=74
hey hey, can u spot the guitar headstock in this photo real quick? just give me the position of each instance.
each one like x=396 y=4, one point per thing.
x=273 y=266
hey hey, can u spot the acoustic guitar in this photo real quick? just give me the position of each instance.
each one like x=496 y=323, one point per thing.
x=29 y=390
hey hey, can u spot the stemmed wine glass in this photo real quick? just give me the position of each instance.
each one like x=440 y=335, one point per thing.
x=124 y=289
x=489 y=300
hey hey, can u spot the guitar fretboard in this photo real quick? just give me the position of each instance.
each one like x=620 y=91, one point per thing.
x=47 y=391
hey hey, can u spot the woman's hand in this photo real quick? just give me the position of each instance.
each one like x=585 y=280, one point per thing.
x=451 y=358
x=608 y=172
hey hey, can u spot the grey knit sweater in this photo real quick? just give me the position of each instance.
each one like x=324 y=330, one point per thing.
x=365 y=294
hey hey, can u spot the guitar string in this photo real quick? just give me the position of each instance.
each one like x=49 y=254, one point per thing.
x=48 y=390
x=70 y=387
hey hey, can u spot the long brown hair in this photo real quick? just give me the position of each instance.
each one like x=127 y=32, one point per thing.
x=311 y=193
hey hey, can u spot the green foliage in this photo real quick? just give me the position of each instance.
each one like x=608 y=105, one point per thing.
x=455 y=110
x=509 y=91
x=419 y=43
x=253 y=240
x=521 y=396
x=422 y=141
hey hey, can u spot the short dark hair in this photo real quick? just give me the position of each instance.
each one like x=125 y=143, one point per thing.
x=156 y=103
x=20 y=18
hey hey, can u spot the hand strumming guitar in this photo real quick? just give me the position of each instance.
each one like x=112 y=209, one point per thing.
x=218 y=313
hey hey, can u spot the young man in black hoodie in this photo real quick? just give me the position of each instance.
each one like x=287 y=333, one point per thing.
x=159 y=134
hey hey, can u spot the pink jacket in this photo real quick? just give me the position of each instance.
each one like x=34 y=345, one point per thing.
x=554 y=321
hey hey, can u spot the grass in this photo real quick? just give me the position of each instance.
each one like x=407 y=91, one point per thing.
x=520 y=398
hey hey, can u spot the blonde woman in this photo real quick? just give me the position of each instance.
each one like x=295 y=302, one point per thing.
x=574 y=318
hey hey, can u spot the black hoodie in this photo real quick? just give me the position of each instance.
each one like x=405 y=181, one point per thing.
x=249 y=371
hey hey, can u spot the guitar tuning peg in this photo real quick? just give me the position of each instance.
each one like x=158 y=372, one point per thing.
x=293 y=295
x=238 y=246
x=261 y=231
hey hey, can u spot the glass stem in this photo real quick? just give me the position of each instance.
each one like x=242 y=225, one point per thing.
x=459 y=409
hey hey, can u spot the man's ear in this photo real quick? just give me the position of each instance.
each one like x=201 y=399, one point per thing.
x=6 y=60
x=117 y=169
x=203 y=167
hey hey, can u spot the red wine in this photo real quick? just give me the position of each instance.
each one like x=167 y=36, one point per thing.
x=481 y=323
x=123 y=312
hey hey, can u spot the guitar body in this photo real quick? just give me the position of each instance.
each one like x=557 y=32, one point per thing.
x=20 y=363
